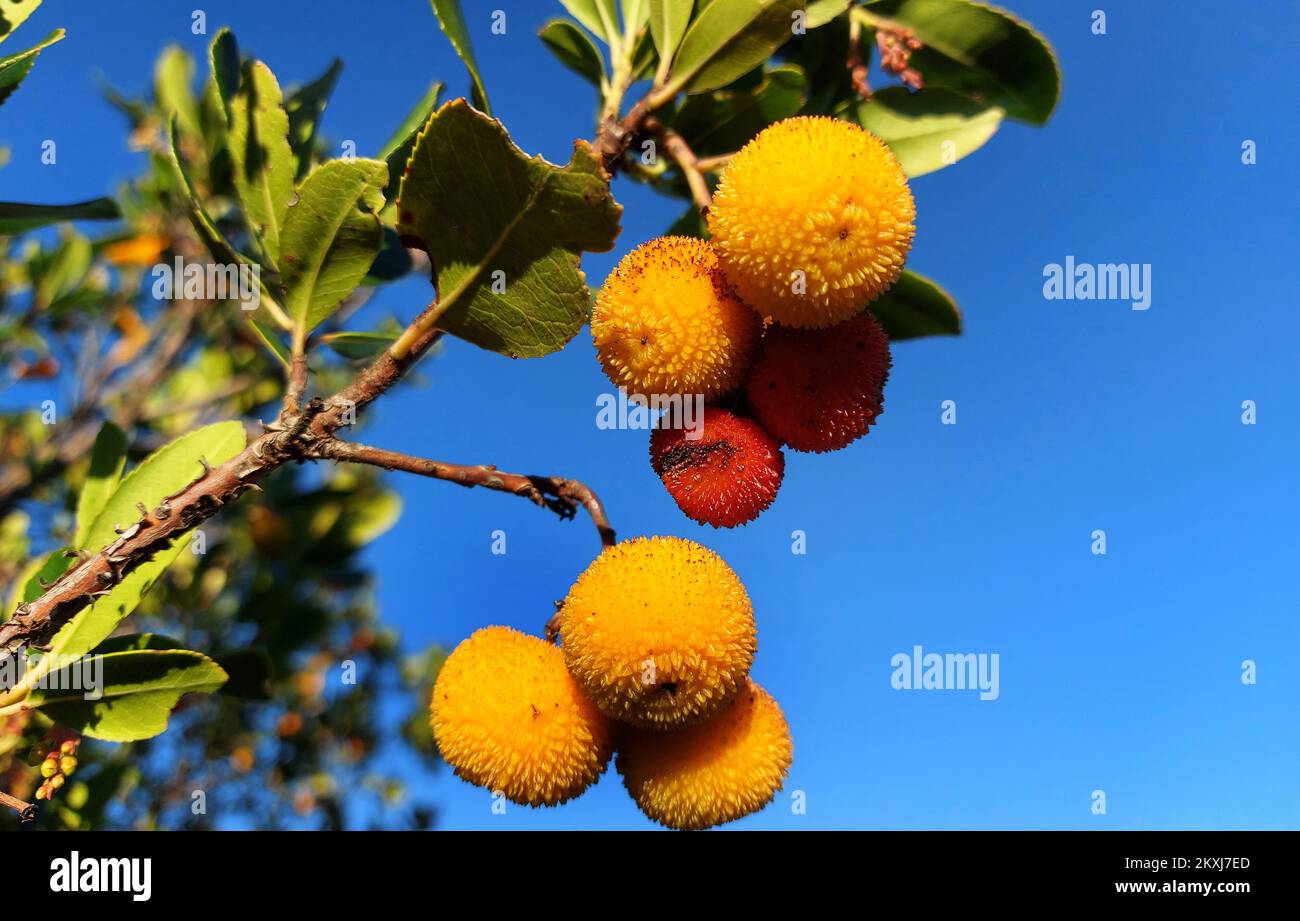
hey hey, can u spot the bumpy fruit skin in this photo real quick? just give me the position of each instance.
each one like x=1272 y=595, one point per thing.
x=726 y=476
x=658 y=632
x=507 y=716
x=820 y=389
x=713 y=772
x=667 y=322
x=819 y=196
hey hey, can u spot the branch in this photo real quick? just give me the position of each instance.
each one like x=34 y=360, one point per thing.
x=297 y=383
x=303 y=433
x=556 y=493
x=895 y=42
x=288 y=440
x=856 y=63
x=614 y=137
x=713 y=164
x=686 y=161
x=26 y=811
x=307 y=434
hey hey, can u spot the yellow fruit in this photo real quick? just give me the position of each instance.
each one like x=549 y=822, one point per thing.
x=667 y=322
x=136 y=252
x=507 y=716
x=659 y=632
x=812 y=220
x=714 y=772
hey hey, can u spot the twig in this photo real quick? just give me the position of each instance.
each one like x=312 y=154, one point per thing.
x=713 y=164
x=26 y=811
x=560 y=495
x=684 y=157
x=615 y=136
x=856 y=63
x=895 y=41
x=300 y=436
x=297 y=383
x=304 y=433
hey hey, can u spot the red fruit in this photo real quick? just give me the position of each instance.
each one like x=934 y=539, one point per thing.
x=724 y=477
x=819 y=389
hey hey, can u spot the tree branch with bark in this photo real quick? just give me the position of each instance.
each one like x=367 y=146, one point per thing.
x=301 y=434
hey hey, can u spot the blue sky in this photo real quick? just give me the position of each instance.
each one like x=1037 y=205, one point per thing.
x=1119 y=672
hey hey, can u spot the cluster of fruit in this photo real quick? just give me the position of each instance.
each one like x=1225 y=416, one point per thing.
x=765 y=322
x=657 y=639
x=57 y=763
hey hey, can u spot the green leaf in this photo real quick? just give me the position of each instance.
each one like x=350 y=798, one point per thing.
x=25 y=579
x=725 y=120
x=452 y=22
x=138 y=689
x=478 y=206
x=15 y=68
x=727 y=40
x=305 y=108
x=135 y=642
x=107 y=459
x=397 y=151
x=18 y=218
x=574 y=49
x=14 y=14
x=644 y=56
x=217 y=244
x=173 y=83
x=331 y=235
x=212 y=238
x=980 y=51
x=260 y=155
x=915 y=307
x=64 y=270
x=668 y=22
x=928 y=129
x=600 y=16
x=161 y=474
x=821 y=12
x=362 y=522
x=358 y=346
x=271 y=339
x=53 y=566
x=636 y=14
x=223 y=57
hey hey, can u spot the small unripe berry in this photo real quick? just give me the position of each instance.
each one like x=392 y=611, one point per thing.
x=726 y=475
x=507 y=716
x=68 y=764
x=820 y=389
x=658 y=632
x=50 y=766
x=713 y=772
x=68 y=748
x=666 y=322
x=812 y=220
x=56 y=782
